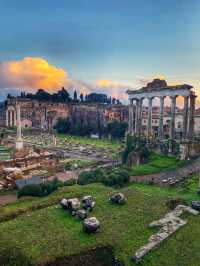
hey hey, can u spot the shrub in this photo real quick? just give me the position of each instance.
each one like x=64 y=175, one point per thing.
x=41 y=189
x=117 y=177
x=30 y=190
x=70 y=182
x=88 y=177
x=85 y=178
x=47 y=188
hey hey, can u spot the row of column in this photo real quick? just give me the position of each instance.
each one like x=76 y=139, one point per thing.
x=10 y=118
x=188 y=117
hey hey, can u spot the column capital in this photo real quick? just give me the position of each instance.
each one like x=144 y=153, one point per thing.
x=172 y=97
x=150 y=98
x=162 y=97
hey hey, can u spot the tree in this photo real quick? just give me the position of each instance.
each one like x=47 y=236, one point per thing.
x=75 y=96
x=81 y=97
x=42 y=95
x=113 y=100
x=97 y=97
x=63 y=126
x=116 y=129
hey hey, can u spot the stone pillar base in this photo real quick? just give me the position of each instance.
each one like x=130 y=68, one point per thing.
x=19 y=144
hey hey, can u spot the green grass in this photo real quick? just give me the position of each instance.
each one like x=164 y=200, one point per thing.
x=99 y=143
x=50 y=232
x=81 y=163
x=4 y=153
x=157 y=163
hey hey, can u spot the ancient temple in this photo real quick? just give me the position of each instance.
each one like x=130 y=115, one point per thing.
x=159 y=88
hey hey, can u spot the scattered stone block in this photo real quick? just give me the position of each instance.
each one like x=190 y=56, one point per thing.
x=118 y=198
x=88 y=203
x=196 y=205
x=91 y=225
x=168 y=225
x=82 y=214
x=73 y=204
x=63 y=203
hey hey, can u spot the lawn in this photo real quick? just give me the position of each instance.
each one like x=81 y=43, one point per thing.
x=50 y=232
x=98 y=143
x=79 y=163
x=157 y=163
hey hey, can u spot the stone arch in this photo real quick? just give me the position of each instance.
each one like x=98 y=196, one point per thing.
x=11 y=116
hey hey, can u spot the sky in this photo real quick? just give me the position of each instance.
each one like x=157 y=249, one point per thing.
x=103 y=46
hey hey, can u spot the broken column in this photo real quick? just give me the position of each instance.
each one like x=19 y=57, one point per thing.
x=19 y=141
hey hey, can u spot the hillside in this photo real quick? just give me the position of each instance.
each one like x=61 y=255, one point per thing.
x=38 y=237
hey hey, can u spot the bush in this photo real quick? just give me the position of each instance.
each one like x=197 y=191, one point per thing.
x=117 y=177
x=41 y=189
x=30 y=190
x=88 y=177
x=70 y=182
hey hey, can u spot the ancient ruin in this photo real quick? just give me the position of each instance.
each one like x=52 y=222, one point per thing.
x=19 y=141
x=159 y=88
x=168 y=225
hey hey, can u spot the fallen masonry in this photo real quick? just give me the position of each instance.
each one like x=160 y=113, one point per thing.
x=169 y=224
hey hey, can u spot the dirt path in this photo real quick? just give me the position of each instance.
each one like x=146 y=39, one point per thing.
x=170 y=177
x=9 y=198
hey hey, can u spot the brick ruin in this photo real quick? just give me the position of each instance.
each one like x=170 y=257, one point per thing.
x=44 y=115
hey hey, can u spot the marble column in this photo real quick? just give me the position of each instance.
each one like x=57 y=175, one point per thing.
x=149 y=119
x=185 y=116
x=136 y=117
x=191 y=117
x=173 y=115
x=7 y=118
x=10 y=118
x=140 y=117
x=161 y=128
x=19 y=141
x=15 y=118
x=131 y=117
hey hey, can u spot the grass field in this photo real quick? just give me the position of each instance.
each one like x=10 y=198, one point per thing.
x=99 y=143
x=157 y=163
x=80 y=163
x=50 y=232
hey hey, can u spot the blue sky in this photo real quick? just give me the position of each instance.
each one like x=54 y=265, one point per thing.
x=125 y=41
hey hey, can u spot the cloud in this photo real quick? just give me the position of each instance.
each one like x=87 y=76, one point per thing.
x=113 y=88
x=31 y=73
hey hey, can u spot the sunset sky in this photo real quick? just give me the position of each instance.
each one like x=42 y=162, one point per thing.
x=95 y=45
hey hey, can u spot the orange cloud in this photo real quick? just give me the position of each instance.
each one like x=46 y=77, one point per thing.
x=107 y=83
x=113 y=88
x=31 y=73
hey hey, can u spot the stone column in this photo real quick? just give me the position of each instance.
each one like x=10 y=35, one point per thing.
x=191 y=116
x=173 y=115
x=136 y=117
x=19 y=141
x=7 y=118
x=131 y=117
x=10 y=118
x=149 y=119
x=185 y=117
x=15 y=118
x=140 y=118
x=161 y=129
